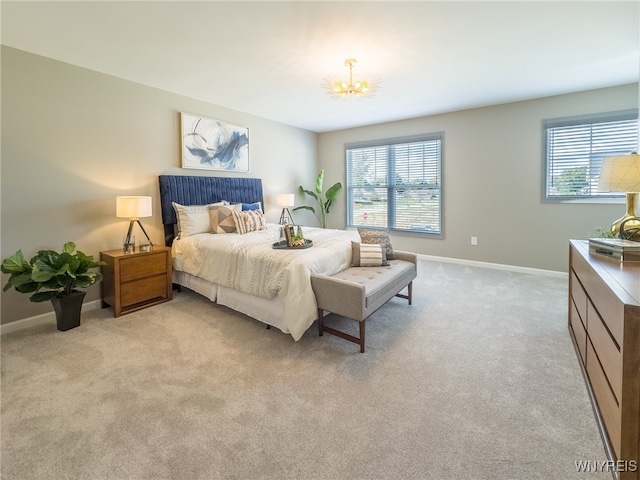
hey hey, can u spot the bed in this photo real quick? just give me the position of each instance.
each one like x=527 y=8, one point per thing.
x=244 y=272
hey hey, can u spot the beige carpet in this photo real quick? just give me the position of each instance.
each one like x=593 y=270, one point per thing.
x=477 y=380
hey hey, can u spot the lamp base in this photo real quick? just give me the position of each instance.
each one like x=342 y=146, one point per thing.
x=630 y=219
x=136 y=220
x=285 y=217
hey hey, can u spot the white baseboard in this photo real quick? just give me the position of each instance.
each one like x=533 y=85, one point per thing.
x=42 y=319
x=496 y=266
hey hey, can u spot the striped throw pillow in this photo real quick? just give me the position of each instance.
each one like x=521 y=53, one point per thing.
x=249 y=221
x=364 y=255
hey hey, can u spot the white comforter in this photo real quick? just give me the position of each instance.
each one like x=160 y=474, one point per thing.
x=248 y=263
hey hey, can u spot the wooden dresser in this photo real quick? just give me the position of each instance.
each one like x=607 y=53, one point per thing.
x=604 y=323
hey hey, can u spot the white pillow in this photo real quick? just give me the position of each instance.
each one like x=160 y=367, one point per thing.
x=193 y=219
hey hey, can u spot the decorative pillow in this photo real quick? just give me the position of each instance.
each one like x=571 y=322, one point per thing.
x=368 y=255
x=193 y=219
x=221 y=218
x=252 y=206
x=379 y=237
x=249 y=221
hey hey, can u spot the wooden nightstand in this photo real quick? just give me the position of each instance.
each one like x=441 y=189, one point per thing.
x=133 y=281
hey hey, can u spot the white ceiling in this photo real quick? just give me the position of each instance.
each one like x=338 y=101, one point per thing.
x=271 y=59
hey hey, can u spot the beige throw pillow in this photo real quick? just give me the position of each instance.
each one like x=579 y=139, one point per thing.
x=379 y=237
x=364 y=255
x=221 y=218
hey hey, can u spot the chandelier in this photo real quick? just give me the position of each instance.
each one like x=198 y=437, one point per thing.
x=359 y=88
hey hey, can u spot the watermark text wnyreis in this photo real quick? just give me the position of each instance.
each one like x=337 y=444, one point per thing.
x=588 y=466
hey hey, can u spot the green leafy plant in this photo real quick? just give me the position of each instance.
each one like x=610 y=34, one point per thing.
x=601 y=233
x=324 y=200
x=51 y=274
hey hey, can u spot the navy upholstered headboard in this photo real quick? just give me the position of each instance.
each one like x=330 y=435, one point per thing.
x=198 y=190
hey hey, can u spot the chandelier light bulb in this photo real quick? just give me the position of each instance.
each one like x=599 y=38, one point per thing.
x=342 y=88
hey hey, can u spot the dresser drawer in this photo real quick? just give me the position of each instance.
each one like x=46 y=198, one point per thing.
x=606 y=350
x=579 y=332
x=142 y=266
x=604 y=300
x=142 y=290
x=579 y=298
x=609 y=409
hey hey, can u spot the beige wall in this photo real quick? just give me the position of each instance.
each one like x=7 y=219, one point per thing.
x=74 y=139
x=493 y=177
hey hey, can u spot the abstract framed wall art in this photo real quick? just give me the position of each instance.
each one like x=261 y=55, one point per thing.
x=214 y=145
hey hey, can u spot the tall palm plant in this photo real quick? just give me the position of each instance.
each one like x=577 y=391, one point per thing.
x=324 y=200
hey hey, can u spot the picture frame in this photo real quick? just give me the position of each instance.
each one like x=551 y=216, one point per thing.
x=211 y=144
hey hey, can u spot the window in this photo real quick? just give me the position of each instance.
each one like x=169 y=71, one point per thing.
x=396 y=184
x=576 y=147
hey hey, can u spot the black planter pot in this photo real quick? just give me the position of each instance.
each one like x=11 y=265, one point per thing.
x=68 y=309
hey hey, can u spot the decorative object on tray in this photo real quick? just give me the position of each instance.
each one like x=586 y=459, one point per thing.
x=282 y=245
x=213 y=145
x=54 y=276
x=324 y=200
x=293 y=238
x=615 y=248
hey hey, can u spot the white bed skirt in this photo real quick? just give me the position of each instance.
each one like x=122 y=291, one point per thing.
x=270 y=311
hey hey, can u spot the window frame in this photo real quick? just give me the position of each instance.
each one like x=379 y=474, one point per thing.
x=390 y=187
x=605 y=117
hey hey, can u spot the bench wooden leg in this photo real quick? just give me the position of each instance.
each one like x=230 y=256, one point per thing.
x=338 y=333
x=409 y=294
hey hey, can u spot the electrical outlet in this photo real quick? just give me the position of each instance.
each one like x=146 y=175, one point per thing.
x=474 y=241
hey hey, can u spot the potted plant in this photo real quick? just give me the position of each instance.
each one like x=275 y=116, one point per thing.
x=54 y=276
x=324 y=200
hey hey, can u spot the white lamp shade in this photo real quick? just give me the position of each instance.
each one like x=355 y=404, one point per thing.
x=285 y=199
x=620 y=174
x=133 y=207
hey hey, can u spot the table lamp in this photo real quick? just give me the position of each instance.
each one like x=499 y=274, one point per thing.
x=285 y=200
x=622 y=174
x=134 y=207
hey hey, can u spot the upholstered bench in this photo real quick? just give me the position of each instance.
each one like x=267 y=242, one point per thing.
x=358 y=292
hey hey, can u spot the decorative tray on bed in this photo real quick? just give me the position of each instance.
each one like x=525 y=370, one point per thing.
x=282 y=244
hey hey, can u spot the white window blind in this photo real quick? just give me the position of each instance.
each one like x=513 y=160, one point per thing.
x=575 y=149
x=396 y=184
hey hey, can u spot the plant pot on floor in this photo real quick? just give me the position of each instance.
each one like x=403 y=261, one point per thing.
x=68 y=309
x=54 y=276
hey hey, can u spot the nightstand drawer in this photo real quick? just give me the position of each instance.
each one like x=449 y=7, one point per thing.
x=142 y=266
x=142 y=290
